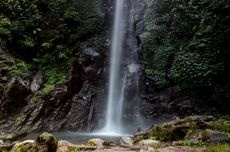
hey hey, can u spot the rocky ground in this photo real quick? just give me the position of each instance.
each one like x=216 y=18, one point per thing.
x=48 y=143
x=192 y=134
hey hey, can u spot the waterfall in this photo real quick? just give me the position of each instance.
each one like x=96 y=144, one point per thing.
x=122 y=112
x=115 y=99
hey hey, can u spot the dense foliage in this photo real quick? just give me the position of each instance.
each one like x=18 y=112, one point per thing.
x=45 y=34
x=186 y=42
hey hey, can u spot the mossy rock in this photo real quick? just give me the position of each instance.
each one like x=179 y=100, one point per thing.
x=187 y=128
x=91 y=143
x=28 y=146
x=212 y=136
x=47 y=140
x=73 y=149
x=169 y=133
x=218 y=148
x=95 y=142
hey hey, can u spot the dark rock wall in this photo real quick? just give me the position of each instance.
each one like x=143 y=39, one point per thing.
x=67 y=107
x=132 y=53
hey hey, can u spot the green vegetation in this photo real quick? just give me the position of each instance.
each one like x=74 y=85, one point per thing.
x=186 y=42
x=16 y=67
x=221 y=123
x=91 y=143
x=218 y=148
x=186 y=128
x=193 y=132
x=18 y=119
x=45 y=35
x=48 y=141
x=73 y=149
x=29 y=147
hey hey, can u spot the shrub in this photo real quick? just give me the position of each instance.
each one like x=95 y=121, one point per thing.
x=185 y=42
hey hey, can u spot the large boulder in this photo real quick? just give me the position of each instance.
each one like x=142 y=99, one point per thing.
x=188 y=131
x=25 y=146
x=63 y=146
x=95 y=142
x=213 y=136
x=47 y=140
x=126 y=142
x=210 y=136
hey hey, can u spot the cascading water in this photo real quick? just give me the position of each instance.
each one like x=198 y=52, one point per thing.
x=114 y=107
x=124 y=76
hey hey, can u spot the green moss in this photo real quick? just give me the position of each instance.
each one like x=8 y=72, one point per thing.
x=29 y=147
x=91 y=143
x=138 y=138
x=47 y=89
x=218 y=148
x=162 y=133
x=55 y=71
x=219 y=126
x=18 y=119
x=73 y=149
x=36 y=98
x=221 y=123
x=48 y=141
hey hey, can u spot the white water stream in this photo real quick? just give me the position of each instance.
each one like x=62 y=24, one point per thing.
x=122 y=111
x=115 y=95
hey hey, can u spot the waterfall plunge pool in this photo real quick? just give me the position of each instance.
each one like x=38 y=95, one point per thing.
x=80 y=138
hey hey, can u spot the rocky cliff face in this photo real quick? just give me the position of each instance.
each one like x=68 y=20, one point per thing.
x=132 y=67
x=31 y=97
x=67 y=107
